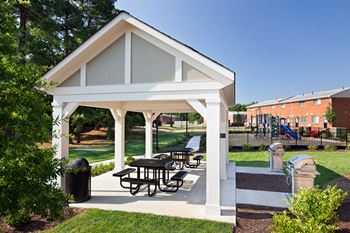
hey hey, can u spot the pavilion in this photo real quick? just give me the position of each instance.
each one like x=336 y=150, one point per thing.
x=128 y=65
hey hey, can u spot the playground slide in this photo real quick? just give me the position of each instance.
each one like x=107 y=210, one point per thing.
x=289 y=131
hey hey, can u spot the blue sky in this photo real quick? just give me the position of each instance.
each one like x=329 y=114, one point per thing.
x=276 y=47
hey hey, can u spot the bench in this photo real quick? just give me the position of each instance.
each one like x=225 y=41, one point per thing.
x=139 y=182
x=179 y=179
x=197 y=160
x=123 y=173
x=179 y=176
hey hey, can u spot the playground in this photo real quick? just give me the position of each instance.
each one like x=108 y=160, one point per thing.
x=268 y=129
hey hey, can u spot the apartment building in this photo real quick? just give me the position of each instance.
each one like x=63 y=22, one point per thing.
x=306 y=110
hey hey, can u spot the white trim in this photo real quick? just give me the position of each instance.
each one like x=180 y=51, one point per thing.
x=83 y=75
x=69 y=109
x=198 y=106
x=170 y=95
x=127 y=68
x=144 y=87
x=155 y=115
x=178 y=69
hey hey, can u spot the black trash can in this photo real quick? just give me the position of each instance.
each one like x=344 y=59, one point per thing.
x=78 y=180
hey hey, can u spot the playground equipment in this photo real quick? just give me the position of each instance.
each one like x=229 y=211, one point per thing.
x=273 y=127
x=290 y=132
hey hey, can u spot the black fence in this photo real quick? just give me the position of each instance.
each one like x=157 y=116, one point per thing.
x=302 y=137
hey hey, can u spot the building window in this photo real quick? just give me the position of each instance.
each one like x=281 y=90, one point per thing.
x=315 y=119
x=273 y=106
x=302 y=103
x=303 y=119
x=317 y=101
x=283 y=105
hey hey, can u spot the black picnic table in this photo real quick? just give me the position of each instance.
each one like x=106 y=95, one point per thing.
x=155 y=172
x=181 y=156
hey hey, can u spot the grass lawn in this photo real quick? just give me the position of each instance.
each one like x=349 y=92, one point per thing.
x=133 y=146
x=331 y=165
x=93 y=220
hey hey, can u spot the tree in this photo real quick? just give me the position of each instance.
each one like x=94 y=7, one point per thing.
x=77 y=124
x=240 y=107
x=192 y=117
x=27 y=172
x=330 y=114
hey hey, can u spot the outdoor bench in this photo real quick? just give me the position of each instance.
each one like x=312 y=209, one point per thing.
x=179 y=178
x=198 y=159
x=123 y=173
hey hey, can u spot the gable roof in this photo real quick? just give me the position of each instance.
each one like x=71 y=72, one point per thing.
x=301 y=97
x=126 y=16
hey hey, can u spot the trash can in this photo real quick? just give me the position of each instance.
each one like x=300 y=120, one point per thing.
x=78 y=180
x=276 y=152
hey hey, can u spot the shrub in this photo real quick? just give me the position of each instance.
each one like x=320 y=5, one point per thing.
x=129 y=159
x=247 y=147
x=347 y=147
x=262 y=147
x=28 y=173
x=312 y=147
x=330 y=148
x=314 y=211
x=101 y=168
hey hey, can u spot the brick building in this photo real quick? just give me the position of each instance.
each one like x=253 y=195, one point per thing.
x=306 y=110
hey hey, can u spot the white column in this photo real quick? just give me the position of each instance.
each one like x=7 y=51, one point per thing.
x=223 y=137
x=60 y=131
x=148 y=134
x=119 y=138
x=213 y=158
x=227 y=140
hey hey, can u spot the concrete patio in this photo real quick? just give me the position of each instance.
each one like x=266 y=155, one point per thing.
x=188 y=202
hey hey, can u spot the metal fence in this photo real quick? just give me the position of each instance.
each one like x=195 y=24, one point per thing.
x=310 y=136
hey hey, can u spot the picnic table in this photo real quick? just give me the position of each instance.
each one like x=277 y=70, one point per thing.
x=181 y=156
x=155 y=173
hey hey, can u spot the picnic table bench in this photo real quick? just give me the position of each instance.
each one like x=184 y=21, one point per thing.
x=155 y=173
x=181 y=155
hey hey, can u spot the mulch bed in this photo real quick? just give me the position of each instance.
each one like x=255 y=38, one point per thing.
x=251 y=218
x=274 y=183
x=37 y=224
x=258 y=219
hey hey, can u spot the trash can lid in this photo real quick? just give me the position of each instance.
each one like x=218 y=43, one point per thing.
x=79 y=162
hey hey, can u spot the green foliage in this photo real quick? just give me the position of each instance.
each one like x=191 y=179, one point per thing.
x=192 y=117
x=347 y=147
x=27 y=173
x=129 y=159
x=314 y=211
x=330 y=148
x=101 y=168
x=262 y=147
x=312 y=147
x=76 y=169
x=77 y=124
x=247 y=147
x=238 y=107
x=330 y=114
